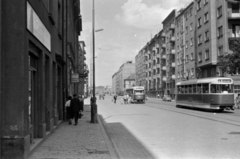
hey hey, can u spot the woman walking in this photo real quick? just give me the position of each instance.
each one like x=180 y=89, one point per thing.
x=68 y=110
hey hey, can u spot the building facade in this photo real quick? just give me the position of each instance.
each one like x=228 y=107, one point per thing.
x=129 y=81
x=185 y=44
x=140 y=68
x=169 y=30
x=118 y=78
x=37 y=58
x=82 y=69
x=190 y=43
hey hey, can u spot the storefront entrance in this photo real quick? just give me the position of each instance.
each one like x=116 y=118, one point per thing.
x=32 y=97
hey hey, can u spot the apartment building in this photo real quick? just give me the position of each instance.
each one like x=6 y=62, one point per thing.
x=82 y=68
x=185 y=44
x=169 y=48
x=114 y=83
x=216 y=22
x=140 y=66
x=118 y=78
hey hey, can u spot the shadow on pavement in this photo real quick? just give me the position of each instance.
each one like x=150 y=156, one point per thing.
x=206 y=110
x=124 y=142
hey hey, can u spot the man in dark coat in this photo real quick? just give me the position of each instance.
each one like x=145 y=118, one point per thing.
x=76 y=107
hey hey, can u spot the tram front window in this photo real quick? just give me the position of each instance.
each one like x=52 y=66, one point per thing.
x=221 y=88
x=138 y=92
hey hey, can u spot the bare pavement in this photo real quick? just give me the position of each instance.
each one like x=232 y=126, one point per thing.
x=83 y=141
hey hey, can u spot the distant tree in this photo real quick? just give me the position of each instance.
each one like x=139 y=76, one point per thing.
x=230 y=63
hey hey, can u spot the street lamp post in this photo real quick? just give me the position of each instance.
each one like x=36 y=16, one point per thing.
x=94 y=99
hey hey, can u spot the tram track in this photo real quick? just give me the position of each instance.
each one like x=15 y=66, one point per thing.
x=221 y=117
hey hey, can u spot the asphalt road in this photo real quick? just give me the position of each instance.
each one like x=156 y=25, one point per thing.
x=158 y=130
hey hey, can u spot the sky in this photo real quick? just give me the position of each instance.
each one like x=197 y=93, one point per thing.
x=127 y=26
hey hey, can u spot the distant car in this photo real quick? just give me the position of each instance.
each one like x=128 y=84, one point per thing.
x=167 y=98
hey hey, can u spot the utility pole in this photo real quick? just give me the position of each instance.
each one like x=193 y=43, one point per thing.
x=93 y=98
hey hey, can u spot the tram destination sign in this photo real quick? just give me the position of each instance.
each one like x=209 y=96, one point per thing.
x=224 y=80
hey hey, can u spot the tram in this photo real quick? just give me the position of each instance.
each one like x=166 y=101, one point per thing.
x=208 y=93
x=136 y=94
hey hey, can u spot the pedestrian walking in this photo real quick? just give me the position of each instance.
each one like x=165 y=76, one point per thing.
x=115 y=98
x=238 y=101
x=68 y=110
x=81 y=106
x=121 y=100
x=76 y=107
x=127 y=98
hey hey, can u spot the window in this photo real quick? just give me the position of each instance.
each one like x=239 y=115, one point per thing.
x=199 y=5
x=207 y=55
x=199 y=39
x=192 y=56
x=220 y=32
x=187 y=58
x=205 y=2
x=194 y=88
x=220 y=51
x=206 y=36
x=191 y=27
x=190 y=12
x=192 y=71
x=199 y=57
x=190 y=89
x=199 y=23
x=59 y=18
x=235 y=9
x=205 y=88
x=186 y=44
x=186 y=30
x=219 y=11
x=206 y=17
x=191 y=42
x=186 y=16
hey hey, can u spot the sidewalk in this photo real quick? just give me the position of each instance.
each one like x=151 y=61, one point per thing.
x=84 y=141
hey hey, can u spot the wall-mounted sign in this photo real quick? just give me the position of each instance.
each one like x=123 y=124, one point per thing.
x=75 y=77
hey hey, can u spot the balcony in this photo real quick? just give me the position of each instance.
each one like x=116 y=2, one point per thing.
x=172 y=26
x=164 y=68
x=164 y=78
x=173 y=77
x=173 y=51
x=234 y=34
x=173 y=64
x=163 y=45
x=233 y=15
x=164 y=56
x=172 y=39
x=163 y=35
